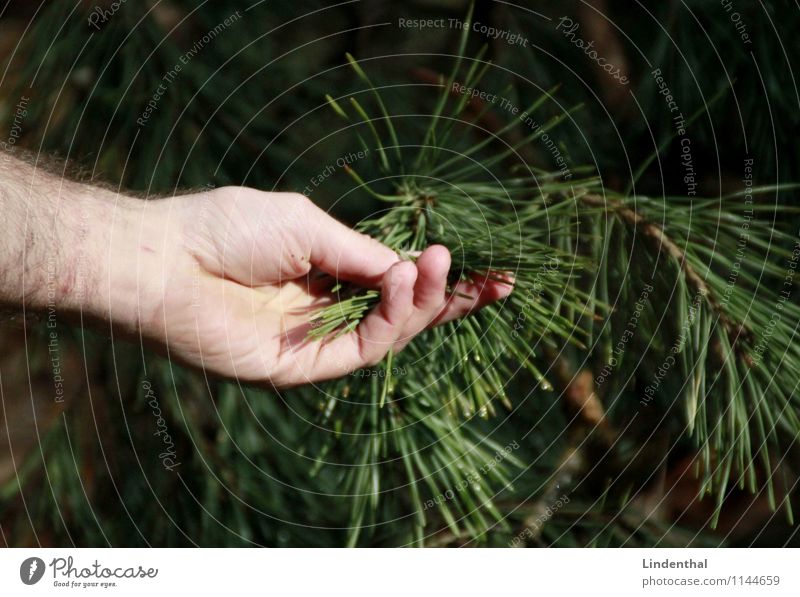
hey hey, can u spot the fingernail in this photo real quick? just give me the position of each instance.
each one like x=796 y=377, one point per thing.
x=504 y=290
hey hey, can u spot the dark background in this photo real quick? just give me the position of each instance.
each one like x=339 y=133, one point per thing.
x=250 y=109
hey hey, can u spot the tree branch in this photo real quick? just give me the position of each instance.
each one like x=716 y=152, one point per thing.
x=666 y=245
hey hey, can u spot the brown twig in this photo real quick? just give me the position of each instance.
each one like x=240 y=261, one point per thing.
x=666 y=245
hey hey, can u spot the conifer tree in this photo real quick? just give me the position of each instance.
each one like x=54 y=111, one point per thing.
x=650 y=333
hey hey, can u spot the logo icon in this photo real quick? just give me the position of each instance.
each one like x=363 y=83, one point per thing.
x=31 y=571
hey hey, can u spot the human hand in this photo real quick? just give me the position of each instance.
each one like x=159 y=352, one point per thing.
x=227 y=280
x=243 y=287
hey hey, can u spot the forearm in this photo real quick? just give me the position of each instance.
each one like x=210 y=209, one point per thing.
x=68 y=247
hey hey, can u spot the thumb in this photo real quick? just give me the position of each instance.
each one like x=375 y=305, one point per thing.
x=347 y=254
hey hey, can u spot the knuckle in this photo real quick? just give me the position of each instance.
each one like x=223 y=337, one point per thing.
x=226 y=193
x=298 y=201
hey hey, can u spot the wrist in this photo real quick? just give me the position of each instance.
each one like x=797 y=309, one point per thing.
x=128 y=254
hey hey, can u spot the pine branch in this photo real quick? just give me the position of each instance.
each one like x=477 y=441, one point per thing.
x=663 y=243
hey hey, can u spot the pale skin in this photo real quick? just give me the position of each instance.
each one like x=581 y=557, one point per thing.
x=224 y=280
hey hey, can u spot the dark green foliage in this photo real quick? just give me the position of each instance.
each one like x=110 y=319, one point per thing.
x=463 y=438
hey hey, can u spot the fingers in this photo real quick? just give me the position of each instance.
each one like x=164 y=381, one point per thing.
x=433 y=266
x=378 y=332
x=346 y=254
x=413 y=298
x=472 y=296
x=384 y=325
x=430 y=290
